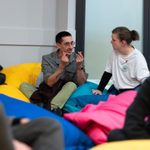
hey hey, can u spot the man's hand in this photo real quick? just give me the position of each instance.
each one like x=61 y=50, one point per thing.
x=64 y=60
x=79 y=59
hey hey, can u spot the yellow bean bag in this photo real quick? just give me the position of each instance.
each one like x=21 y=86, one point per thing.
x=125 y=145
x=13 y=92
x=17 y=74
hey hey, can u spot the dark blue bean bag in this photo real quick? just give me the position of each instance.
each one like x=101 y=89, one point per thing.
x=74 y=138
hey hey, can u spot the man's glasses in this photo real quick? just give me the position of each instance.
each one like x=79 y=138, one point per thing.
x=72 y=43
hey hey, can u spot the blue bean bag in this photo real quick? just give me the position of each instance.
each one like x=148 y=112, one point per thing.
x=74 y=138
x=82 y=96
x=75 y=104
x=84 y=89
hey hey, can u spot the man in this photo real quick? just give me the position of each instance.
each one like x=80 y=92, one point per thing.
x=25 y=134
x=137 y=122
x=62 y=71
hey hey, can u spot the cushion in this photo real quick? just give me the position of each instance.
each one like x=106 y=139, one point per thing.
x=19 y=73
x=74 y=138
x=125 y=145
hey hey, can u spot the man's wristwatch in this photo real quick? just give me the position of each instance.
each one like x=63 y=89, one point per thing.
x=81 y=68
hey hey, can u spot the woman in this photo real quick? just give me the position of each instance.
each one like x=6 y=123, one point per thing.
x=126 y=65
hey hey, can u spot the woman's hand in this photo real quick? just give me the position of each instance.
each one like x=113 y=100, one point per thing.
x=96 y=92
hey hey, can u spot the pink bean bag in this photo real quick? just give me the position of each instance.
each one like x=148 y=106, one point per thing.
x=98 y=120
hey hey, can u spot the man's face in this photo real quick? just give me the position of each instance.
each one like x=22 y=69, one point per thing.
x=67 y=44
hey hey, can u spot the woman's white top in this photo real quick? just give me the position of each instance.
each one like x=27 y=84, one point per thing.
x=127 y=71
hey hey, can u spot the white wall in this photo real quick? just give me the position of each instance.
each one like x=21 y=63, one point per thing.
x=28 y=28
x=102 y=16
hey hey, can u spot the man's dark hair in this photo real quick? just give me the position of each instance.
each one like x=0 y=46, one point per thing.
x=60 y=35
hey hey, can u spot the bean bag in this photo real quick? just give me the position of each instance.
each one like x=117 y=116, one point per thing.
x=84 y=89
x=74 y=138
x=82 y=96
x=75 y=104
x=98 y=120
x=125 y=145
x=13 y=92
x=17 y=74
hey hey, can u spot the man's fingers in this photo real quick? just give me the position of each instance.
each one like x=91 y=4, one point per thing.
x=64 y=53
x=80 y=54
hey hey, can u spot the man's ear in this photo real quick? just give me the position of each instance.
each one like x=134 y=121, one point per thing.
x=58 y=45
